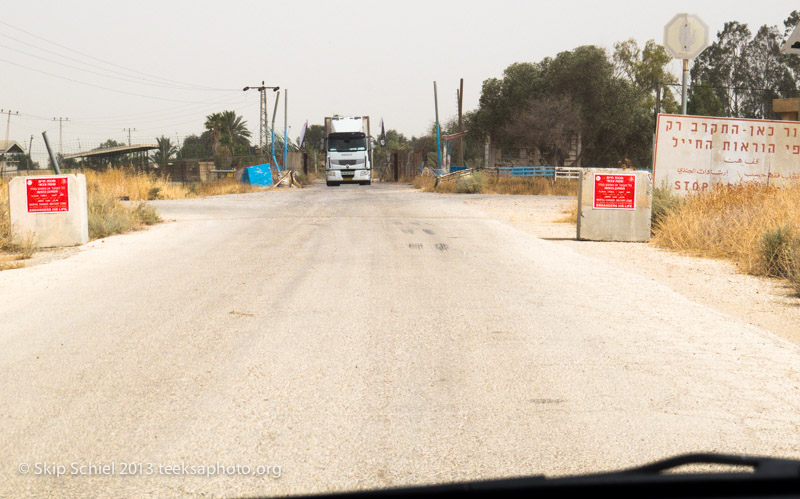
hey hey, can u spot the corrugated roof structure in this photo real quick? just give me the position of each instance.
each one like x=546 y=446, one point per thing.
x=112 y=151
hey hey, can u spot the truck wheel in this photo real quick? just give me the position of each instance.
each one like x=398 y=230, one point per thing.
x=368 y=182
x=331 y=184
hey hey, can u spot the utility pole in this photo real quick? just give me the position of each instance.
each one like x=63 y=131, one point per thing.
x=262 y=112
x=460 y=124
x=285 y=126
x=438 y=134
x=30 y=155
x=5 y=145
x=272 y=128
x=8 y=123
x=129 y=134
x=60 y=134
x=130 y=158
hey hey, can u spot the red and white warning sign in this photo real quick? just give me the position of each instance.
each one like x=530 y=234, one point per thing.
x=614 y=192
x=47 y=194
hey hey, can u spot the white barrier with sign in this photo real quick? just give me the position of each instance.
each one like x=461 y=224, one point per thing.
x=53 y=209
x=695 y=153
x=614 y=205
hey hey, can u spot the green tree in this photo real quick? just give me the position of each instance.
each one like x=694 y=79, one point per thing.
x=614 y=117
x=704 y=102
x=228 y=131
x=646 y=69
x=196 y=147
x=229 y=136
x=166 y=150
x=724 y=66
x=315 y=134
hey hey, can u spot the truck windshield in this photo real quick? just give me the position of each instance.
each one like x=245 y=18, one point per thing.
x=343 y=145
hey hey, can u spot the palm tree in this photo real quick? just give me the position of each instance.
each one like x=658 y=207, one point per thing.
x=166 y=149
x=229 y=133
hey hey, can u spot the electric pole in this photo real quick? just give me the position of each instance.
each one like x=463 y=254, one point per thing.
x=5 y=145
x=272 y=141
x=285 y=125
x=129 y=134
x=30 y=154
x=130 y=158
x=60 y=133
x=8 y=124
x=262 y=113
x=460 y=124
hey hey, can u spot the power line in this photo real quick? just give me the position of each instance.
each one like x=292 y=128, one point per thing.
x=162 y=85
x=108 y=62
x=96 y=86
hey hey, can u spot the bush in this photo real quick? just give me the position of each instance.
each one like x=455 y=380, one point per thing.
x=780 y=254
x=471 y=184
x=755 y=226
x=664 y=202
x=109 y=216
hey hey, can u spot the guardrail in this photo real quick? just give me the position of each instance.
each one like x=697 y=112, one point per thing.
x=525 y=171
x=568 y=172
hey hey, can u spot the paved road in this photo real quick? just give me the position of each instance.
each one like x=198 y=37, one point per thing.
x=363 y=337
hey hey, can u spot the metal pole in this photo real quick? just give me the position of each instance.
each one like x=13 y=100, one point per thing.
x=683 y=82
x=274 y=114
x=52 y=156
x=261 y=106
x=438 y=135
x=60 y=133
x=285 y=126
x=30 y=155
x=460 y=123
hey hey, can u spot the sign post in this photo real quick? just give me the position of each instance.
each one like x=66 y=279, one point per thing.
x=685 y=37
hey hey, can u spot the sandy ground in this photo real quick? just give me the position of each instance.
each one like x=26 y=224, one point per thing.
x=764 y=302
x=369 y=337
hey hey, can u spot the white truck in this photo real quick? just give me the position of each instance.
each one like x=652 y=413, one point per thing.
x=347 y=144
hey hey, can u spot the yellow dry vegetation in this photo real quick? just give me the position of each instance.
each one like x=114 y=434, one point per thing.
x=483 y=183
x=117 y=203
x=755 y=226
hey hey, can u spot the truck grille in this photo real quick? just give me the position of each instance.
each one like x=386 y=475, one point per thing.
x=347 y=161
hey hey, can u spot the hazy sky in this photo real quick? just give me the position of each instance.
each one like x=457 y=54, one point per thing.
x=335 y=57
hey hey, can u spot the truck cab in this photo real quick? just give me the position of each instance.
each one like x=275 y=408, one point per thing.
x=347 y=147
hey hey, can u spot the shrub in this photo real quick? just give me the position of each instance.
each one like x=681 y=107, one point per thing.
x=471 y=184
x=664 y=202
x=756 y=226
x=780 y=254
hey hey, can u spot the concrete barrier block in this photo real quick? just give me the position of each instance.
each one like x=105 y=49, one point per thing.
x=54 y=208
x=614 y=205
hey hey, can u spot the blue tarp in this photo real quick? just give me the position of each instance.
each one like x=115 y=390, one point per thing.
x=258 y=175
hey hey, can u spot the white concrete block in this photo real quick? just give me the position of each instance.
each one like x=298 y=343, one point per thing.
x=614 y=205
x=54 y=208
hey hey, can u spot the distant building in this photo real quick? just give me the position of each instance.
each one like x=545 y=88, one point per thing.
x=7 y=148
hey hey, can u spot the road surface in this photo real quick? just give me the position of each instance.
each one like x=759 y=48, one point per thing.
x=358 y=337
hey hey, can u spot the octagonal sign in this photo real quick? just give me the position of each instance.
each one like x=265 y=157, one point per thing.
x=685 y=36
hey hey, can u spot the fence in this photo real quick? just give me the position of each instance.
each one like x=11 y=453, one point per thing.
x=524 y=171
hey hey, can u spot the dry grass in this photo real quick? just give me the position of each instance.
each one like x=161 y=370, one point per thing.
x=5 y=221
x=755 y=226
x=136 y=186
x=570 y=217
x=108 y=214
x=11 y=252
x=486 y=184
x=224 y=186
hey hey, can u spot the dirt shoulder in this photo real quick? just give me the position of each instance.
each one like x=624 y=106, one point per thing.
x=763 y=302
